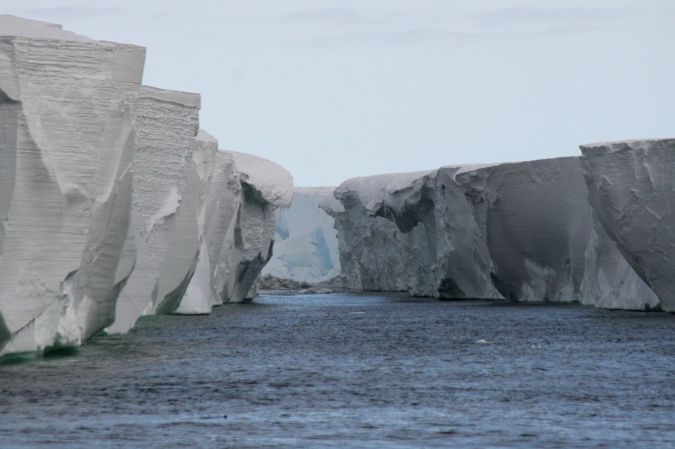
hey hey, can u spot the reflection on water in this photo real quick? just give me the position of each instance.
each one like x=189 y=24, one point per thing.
x=361 y=371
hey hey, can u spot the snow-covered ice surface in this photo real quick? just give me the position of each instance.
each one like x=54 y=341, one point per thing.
x=632 y=189
x=271 y=182
x=305 y=246
x=522 y=231
x=67 y=107
x=111 y=202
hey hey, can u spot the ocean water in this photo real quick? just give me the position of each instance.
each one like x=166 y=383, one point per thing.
x=356 y=371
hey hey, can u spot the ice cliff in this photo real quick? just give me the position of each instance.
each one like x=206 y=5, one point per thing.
x=112 y=203
x=521 y=231
x=305 y=247
x=409 y=232
x=164 y=201
x=544 y=241
x=631 y=187
x=265 y=187
x=67 y=106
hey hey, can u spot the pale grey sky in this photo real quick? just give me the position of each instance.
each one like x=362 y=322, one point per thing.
x=332 y=89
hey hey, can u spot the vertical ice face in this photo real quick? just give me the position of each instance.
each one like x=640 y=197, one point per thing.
x=521 y=230
x=67 y=107
x=165 y=203
x=631 y=188
x=111 y=204
x=544 y=240
x=375 y=255
x=537 y=224
x=222 y=205
x=411 y=232
x=464 y=265
x=197 y=297
x=265 y=186
x=305 y=245
x=220 y=202
x=609 y=281
x=239 y=209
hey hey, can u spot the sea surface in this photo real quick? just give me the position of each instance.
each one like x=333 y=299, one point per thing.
x=356 y=371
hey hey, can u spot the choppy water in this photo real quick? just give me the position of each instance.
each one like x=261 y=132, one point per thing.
x=361 y=371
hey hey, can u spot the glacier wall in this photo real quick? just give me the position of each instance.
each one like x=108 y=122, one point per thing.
x=265 y=187
x=68 y=107
x=520 y=231
x=631 y=187
x=112 y=203
x=306 y=246
x=218 y=193
x=164 y=199
x=411 y=232
x=237 y=220
x=537 y=224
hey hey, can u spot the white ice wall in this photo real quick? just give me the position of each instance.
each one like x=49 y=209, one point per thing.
x=164 y=202
x=239 y=219
x=67 y=107
x=112 y=205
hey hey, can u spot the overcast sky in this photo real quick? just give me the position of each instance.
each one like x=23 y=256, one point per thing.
x=333 y=89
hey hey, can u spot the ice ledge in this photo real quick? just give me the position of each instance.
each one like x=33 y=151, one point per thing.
x=273 y=182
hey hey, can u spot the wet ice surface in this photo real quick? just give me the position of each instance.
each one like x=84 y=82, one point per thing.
x=359 y=371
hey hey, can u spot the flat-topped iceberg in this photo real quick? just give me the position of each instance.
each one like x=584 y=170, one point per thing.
x=522 y=231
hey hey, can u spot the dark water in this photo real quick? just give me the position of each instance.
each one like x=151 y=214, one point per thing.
x=356 y=371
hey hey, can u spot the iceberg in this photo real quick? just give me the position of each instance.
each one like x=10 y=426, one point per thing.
x=239 y=221
x=265 y=186
x=412 y=232
x=630 y=185
x=521 y=231
x=306 y=246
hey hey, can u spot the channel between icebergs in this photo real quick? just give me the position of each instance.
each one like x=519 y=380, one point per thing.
x=114 y=204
